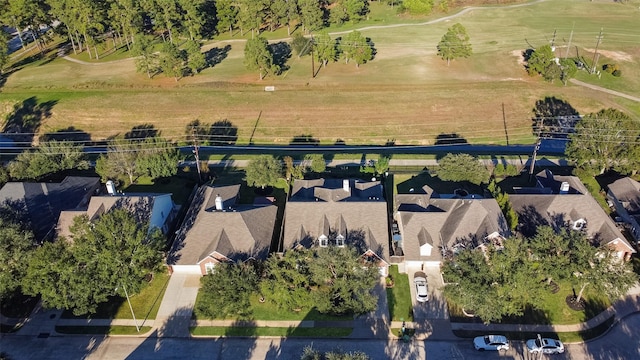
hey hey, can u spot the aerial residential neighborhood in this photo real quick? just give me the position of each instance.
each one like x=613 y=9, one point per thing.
x=319 y=179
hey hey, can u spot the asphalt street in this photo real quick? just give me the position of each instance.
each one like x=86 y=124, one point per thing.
x=619 y=343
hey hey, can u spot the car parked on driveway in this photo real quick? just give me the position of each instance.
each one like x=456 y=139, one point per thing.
x=546 y=345
x=491 y=342
x=422 y=289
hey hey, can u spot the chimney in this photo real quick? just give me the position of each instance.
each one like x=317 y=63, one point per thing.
x=219 y=203
x=345 y=185
x=564 y=188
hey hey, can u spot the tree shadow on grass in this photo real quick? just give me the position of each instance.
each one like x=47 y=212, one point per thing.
x=281 y=53
x=223 y=132
x=25 y=119
x=304 y=139
x=554 y=118
x=142 y=132
x=68 y=134
x=214 y=56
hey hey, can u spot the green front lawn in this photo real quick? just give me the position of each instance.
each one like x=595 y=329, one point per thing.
x=554 y=310
x=268 y=311
x=399 y=296
x=145 y=304
x=270 y=331
x=180 y=188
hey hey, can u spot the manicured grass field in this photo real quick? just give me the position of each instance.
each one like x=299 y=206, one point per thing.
x=406 y=94
x=399 y=296
x=271 y=331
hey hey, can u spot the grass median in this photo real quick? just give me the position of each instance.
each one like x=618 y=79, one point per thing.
x=270 y=331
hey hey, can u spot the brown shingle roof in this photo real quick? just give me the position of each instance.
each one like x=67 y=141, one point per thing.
x=443 y=222
x=563 y=210
x=238 y=234
x=361 y=213
x=627 y=191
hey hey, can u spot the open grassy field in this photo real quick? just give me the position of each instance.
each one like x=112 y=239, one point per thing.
x=406 y=93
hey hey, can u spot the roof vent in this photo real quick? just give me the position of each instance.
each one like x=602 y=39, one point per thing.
x=345 y=185
x=564 y=188
x=219 y=206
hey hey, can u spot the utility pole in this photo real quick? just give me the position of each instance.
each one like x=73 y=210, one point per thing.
x=553 y=41
x=504 y=121
x=196 y=153
x=566 y=54
x=313 y=65
x=596 y=51
x=535 y=151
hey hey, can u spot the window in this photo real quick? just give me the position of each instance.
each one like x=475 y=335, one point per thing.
x=210 y=267
x=340 y=241
x=324 y=240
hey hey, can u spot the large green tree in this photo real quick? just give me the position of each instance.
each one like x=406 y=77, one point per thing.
x=4 y=52
x=454 y=44
x=462 y=167
x=324 y=48
x=345 y=282
x=227 y=290
x=606 y=140
x=316 y=163
x=102 y=259
x=355 y=46
x=310 y=14
x=257 y=56
x=154 y=157
x=16 y=246
x=50 y=157
x=226 y=15
x=287 y=282
x=196 y=60
x=263 y=171
x=146 y=58
x=172 y=60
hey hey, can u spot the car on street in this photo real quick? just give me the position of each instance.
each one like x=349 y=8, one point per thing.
x=491 y=342
x=422 y=290
x=546 y=345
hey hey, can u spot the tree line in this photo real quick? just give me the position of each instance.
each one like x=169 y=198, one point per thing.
x=505 y=279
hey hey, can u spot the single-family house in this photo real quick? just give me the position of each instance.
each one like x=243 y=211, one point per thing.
x=564 y=202
x=158 y=210
x=219 y=229
x=335 y=212
x=42 y=203
x=624 y=194
x=432 y=226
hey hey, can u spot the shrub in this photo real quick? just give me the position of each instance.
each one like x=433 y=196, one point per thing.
x=617 y=73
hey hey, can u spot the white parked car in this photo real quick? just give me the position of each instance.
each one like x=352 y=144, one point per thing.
x=546 y=345
x=422 y=290
x=491 y=342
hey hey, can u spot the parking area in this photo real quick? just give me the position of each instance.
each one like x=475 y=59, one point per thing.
x=435 y=307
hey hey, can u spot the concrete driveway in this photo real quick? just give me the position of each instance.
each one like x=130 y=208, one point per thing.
x=436 y=307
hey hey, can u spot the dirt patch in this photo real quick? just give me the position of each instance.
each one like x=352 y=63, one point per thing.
x=615 y=55
x=518 y=55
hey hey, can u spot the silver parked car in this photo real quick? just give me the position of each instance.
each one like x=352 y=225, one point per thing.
x=491 y=342
x=422 y=290
x=546 y=345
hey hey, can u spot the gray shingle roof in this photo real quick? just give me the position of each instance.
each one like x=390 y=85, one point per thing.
x=240 y=233
x=43 y=202
x=563 y=210
x=627 y=191
x=444 y=222
x=321 y=206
